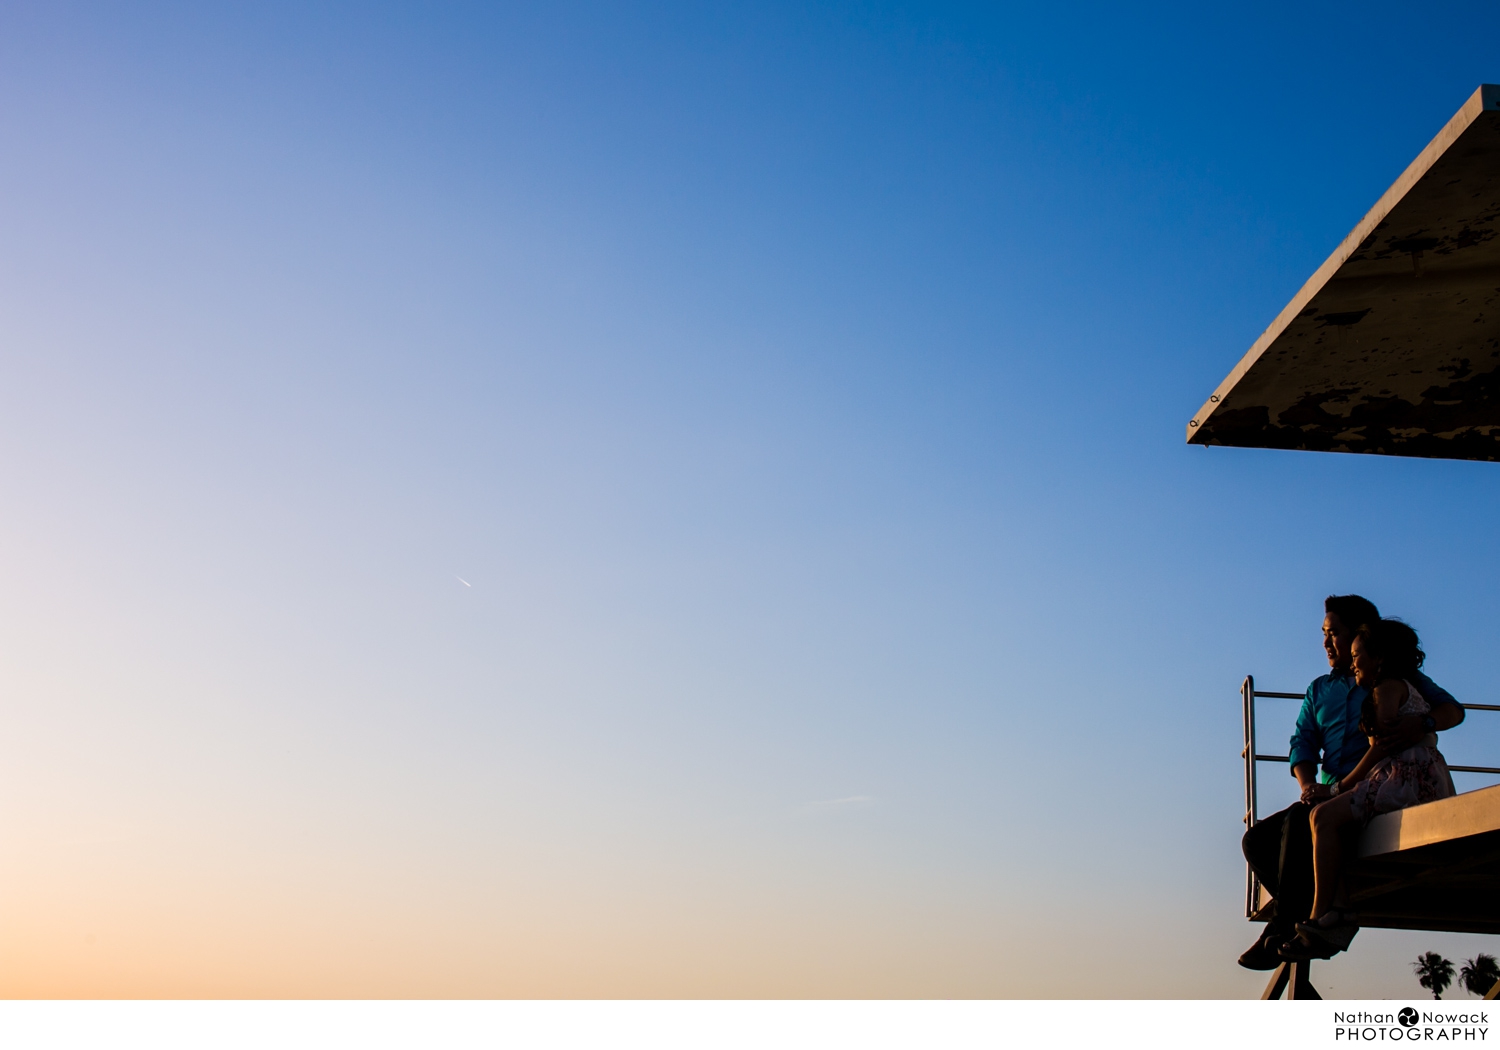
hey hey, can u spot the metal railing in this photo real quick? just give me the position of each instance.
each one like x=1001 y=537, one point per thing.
x=1248 y=695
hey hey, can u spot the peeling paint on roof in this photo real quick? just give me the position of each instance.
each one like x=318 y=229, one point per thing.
x=1393 y=346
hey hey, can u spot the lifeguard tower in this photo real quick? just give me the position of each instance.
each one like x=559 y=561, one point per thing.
x=1393 y=348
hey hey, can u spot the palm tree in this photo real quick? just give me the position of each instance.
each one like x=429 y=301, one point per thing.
x=1434 y=972
x=1479 y=974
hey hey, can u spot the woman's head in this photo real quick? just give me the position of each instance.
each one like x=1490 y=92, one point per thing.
x=1385 y=649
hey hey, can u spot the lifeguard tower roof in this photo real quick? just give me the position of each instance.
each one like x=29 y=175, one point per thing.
x=1393 y=345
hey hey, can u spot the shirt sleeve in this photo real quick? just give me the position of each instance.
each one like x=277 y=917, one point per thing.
x=1307 y=738
x=1433 y=693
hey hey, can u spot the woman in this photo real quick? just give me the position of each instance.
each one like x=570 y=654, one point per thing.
x=1385 y=655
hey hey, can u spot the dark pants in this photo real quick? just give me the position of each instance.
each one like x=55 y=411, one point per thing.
x=1279 y=849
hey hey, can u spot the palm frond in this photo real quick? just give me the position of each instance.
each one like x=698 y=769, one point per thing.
x=1433 y=972
x=1479 y=974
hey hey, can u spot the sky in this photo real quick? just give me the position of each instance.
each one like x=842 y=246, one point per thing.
x=679 y=500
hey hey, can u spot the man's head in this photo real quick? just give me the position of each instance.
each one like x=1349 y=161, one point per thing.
x=1343 y=616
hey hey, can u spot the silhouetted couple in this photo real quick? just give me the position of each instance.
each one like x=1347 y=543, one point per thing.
x=1372 y=724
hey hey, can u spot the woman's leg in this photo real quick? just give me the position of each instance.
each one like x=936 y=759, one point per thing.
x=1327 y=819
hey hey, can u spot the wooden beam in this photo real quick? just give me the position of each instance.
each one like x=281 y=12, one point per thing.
x=1293 y=978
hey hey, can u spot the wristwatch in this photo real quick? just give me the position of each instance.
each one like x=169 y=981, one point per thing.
x=1430 y=723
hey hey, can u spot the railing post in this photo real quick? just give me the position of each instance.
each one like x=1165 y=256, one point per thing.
x=1252 y=800
x=1247 y=696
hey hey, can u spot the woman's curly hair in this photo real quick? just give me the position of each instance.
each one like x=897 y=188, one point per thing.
x=1399 y=651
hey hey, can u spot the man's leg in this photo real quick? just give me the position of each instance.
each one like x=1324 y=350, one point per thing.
x=1264 y=849
x=1295 y=879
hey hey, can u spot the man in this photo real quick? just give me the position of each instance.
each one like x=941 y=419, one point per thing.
x=1279 y=847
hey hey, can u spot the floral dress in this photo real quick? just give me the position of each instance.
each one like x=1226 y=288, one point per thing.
x=1418 y=774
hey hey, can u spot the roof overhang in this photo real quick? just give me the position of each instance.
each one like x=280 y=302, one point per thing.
x=1393 y=345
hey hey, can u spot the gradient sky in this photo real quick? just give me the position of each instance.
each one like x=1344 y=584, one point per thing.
x=660 y=500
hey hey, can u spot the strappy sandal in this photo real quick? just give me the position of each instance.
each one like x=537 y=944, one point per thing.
x=1323 y=937
x=1332 y=919
x=1301 y=949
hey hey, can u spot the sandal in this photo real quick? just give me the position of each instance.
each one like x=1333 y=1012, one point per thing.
x=1301 y=949
x=1325 y=936
x=1332 y=919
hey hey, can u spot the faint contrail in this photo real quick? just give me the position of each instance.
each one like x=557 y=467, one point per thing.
x=851 y=800
x=463 y=581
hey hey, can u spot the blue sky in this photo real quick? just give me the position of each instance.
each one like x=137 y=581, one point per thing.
x=656 y=500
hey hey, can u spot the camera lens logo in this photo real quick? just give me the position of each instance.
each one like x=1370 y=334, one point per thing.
x=1407 y=1016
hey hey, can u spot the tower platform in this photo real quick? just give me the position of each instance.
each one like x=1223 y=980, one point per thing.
x=1431 y=867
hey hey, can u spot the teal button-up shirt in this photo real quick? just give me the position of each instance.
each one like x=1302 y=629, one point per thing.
x=1328 y=724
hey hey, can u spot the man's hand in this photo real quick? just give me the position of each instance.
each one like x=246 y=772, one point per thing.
x=1307 y=779
x=1312 y=794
